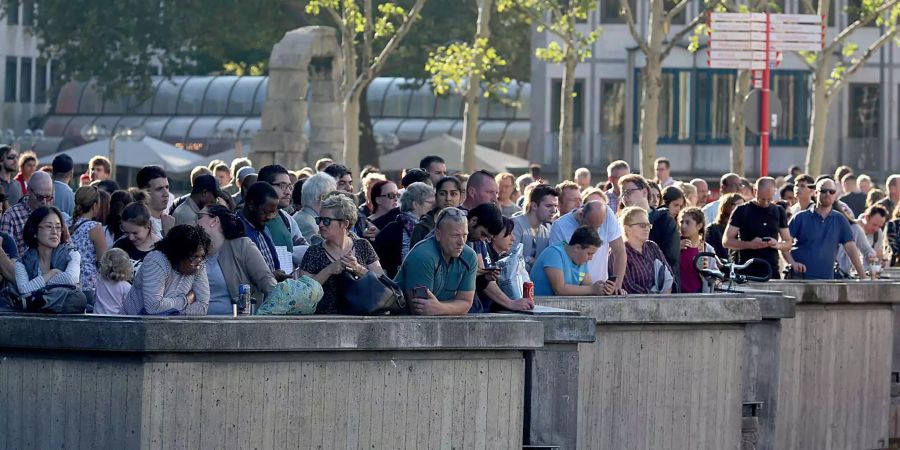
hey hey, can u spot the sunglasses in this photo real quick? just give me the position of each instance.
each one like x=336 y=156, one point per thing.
x=392 y=196
x=326 y=220
x=43 y=198
x=827 y=191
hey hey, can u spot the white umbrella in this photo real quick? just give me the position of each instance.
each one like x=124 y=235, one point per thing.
x=450 y=148
x=145 y=152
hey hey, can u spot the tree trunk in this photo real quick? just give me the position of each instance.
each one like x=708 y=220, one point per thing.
x=817 y=125
x=652 y=85
x=473 y=93
x=738 y=126
x=351 y=132
x=567 y=115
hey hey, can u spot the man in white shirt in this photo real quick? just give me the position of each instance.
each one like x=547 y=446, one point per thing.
x=728 y=184
x=599 y=215
x=664 y=173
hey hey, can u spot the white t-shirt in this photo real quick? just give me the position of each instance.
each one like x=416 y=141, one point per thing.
x=598 y=266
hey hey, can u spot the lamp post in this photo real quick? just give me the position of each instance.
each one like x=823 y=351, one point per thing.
x=94 y=132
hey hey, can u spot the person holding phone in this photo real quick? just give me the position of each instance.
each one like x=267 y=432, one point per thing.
x=754 y=231
x=562 y=268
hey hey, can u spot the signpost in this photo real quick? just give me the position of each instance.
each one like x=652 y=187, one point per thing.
x=755 y=41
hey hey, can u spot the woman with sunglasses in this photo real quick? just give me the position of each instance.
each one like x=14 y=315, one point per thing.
x=172 y=280
x=643 y=255
x=233 y=260
x=384 y=197
x=339 y=250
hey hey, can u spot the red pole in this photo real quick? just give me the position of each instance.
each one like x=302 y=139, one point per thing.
x=765 y=120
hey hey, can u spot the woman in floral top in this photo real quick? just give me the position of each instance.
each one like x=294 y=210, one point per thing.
x=88 y=235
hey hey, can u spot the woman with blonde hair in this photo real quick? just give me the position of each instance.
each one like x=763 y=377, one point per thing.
x=114 y=282
x=645 y=260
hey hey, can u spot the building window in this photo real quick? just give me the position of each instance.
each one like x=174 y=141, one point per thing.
x=609 y=11
x=863 y=113
x=40 y=82
x=25 y=81
x=12 y=12
x=578 y=120
x=792 y=89
x=715 y=93
x=28 y=12
x=612 y=118
x=815 y=3
x=681 y=18
x=11 y=81
x=675 y=101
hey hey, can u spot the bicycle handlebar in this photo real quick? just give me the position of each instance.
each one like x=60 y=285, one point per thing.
x=728 y=270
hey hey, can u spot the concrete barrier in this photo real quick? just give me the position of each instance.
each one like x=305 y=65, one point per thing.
x=835 y=368
x=664 y=372
x=288 y=382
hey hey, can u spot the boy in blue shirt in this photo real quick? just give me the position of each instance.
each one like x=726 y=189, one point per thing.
x=561 y=269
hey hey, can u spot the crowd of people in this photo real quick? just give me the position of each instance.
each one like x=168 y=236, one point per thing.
x=139 y=250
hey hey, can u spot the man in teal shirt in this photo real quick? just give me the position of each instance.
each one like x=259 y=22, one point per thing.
x=438 y=274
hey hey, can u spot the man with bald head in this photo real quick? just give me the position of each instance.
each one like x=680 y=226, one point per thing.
x=702 y=191
x=818 y=232
x=39 y=193
x=599 y=216
x=481 y=188
x=728 y=184
x=758 y=229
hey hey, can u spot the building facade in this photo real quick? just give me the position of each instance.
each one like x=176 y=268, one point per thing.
x=696 y=102
x=26 y=76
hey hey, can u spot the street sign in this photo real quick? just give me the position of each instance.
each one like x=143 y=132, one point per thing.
x=737 y=17
x=795 y=18
x=737 y=45
x=738 y=26
x=795 y=46
x=736 y=64
x=739 y=54
x=753 y=110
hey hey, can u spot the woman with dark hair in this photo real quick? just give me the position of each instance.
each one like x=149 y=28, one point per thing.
x=381 y=205
x=49 y=258
x=716 y=230
x=233 y=260
x=393 y=243
x=297 y=196
x=138 y=238
x=112 y=223
x=447 y=193
x=673 y=200
x=87 y=236
x=172 y=279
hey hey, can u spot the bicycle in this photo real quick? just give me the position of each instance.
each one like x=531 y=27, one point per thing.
x=727 y=271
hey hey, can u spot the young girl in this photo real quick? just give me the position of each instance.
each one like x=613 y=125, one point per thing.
x=693 y=224
x=113 y=284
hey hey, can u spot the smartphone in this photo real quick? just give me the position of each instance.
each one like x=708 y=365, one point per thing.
x=767 y=239
x=420 y=292
x=611 y=279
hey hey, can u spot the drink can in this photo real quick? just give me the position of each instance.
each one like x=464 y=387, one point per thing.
x=528 y=289
x=245 y=306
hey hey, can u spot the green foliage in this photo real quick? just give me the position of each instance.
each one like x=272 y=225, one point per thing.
x=119 y=43
x=559 y=18
x=353 y=17
x=452 y=66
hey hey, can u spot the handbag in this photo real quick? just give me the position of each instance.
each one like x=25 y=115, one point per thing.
x=372 y=294
x=56 y=298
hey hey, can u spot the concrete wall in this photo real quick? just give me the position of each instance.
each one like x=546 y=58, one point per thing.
x=835 y=367
x=664 y=372
x=269 y=383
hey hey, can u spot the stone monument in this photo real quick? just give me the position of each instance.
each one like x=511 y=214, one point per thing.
x=304 y=80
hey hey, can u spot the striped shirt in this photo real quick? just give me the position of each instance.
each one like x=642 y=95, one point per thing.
x=639 y=273
x=158 y=288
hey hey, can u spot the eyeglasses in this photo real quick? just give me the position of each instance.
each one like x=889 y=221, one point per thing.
x=43 y=198
x=284 y=185
x=392 y=196
x=644 y=225
x=447 y=212
x=326 y=220
x=827 y=191
x=12 y=157
x=51 y=228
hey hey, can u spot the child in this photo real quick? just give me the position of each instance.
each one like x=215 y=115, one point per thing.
x=693 y=223
x=113 y=284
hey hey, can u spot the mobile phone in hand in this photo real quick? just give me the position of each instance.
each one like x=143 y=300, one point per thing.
x=420 y=292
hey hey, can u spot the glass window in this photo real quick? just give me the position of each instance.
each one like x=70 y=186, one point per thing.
x=448 y=106
x=422 y=102
x=831 y=11
x=28 y=12
x=56 y=125
x=12 y=14
x=259 y=101
x=73 y=129
x=144 y=104
x=375 y=95
x=166 y=98
x=675 y=101
x=108 y=122
x=437 y=127
x=578 y=119
x=132 y=122
x=524 y=111
x=387 y=126
x=490 y=133
x=40 y=81
x=609 y=11
x=203 y=128
x=863 y=112
x=190 y=101
x=154 y=125
x=515 y=139
x=792 y=89
x=117 y=105
x=25 y=80
x=12 y=70
x=679 y=19
x=396 y=102
x=91 y=100
x=410 y=131
x=612 y=118
x=67 y=99
x=176 y=130
x=216 y=101
x=716 y=88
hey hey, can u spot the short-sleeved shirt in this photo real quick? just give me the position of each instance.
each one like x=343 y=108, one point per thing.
x=555 y=257
x=63 y=197
x=187 y=212
x=598 y=266
x=816 y=241
x=755 y=221
x=316 y=258
x=425 y=266
x=137 y=256
x=533 y=242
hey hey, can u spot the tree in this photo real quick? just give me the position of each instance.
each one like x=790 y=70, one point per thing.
x=655 y=50
x=829 y=76
x=358 y=25
x=560 y=19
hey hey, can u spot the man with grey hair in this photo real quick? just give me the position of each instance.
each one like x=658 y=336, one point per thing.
x=702 y=191
x=583 y=178
x=521 y=183
x=438 y=274
x=614 y=171
x=392 y=244
x=39 y=193
x=314 y=189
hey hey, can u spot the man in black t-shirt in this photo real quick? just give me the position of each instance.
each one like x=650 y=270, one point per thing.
x=755 y=228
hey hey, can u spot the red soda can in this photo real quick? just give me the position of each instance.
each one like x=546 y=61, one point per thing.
x=528 y=289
